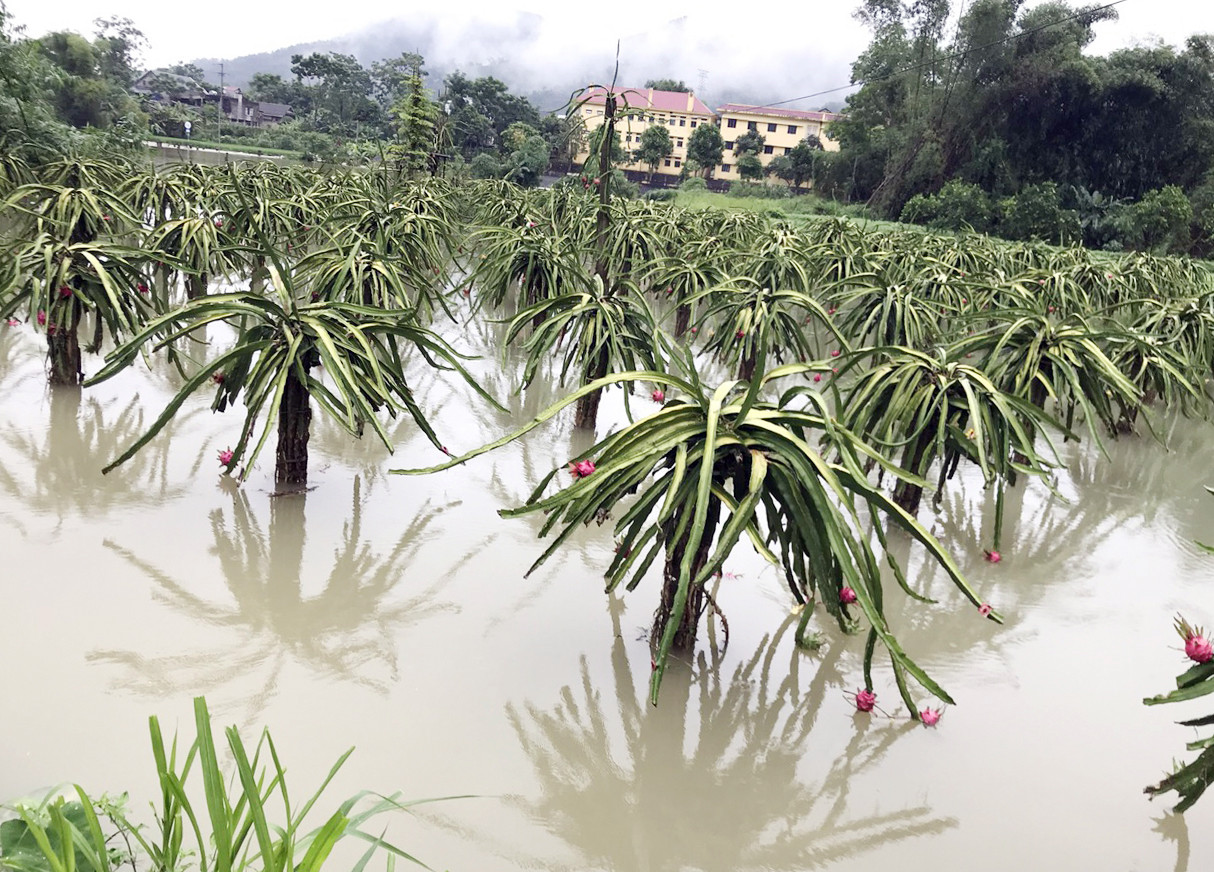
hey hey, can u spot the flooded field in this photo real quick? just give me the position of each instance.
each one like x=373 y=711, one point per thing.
x=391 y=613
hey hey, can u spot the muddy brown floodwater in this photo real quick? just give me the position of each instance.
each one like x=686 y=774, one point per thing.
x=391 y=613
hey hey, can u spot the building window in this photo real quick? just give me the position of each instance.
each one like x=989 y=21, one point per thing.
x=724 y=168
x=693 y=124
x=678 y=143
x=792 y=128
x=729 y=145
x=651 y=119
x=771 y=128
x=732 y=122
x=678 y=163
x=683 y=122
x=769 y=149
x=667 y=162
x=751 y=125
x=787 y=149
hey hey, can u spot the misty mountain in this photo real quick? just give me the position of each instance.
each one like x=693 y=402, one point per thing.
x=544 y=62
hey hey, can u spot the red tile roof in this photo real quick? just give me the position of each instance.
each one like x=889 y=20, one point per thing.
x=647 y=98
x=738 y=108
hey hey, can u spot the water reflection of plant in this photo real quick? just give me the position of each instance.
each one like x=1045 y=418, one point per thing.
x=734 y=780
x=66 y=457
x=344 y=632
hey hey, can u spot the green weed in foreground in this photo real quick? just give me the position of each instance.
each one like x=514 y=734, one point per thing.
x=246 y=822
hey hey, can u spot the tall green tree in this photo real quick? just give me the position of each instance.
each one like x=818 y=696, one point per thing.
x=416 y=131
x=706 y=148
x=656 y=146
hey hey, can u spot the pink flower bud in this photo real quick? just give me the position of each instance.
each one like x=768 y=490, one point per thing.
x=847 y=596
x=866 y=700
x=817 y=376
x=930 y=717
x=41 y=318
x=141 y=288
x=658 y=396
x=65 y=291
x=993 y=556
x=835 y=353
x=985 y=609
x=12 y=322
x=225 y=457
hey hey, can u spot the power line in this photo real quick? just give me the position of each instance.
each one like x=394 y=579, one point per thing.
x=1078 y=15
x=936 y=60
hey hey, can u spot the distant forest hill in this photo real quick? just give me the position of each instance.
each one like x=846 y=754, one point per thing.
x=489 y=51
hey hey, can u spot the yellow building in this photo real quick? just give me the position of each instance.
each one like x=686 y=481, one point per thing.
x=781 y=129
x=679 y=112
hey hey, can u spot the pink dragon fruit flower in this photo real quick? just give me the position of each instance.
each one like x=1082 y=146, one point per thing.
x=658 y=396
x=225 y=457
x=817 y=376
x=985 y=609
x=835 y=353
x=993 y=556
x=930 y=717
x=581 y=469
x=866 y=700
x=847 y=596
x=1197 y=646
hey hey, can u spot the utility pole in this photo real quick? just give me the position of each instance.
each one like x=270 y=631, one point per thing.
x=703 y=82
x=219 y=109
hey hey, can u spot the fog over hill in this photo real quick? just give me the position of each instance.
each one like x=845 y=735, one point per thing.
x=545 y=60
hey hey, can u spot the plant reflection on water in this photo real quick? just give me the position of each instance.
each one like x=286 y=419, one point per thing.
x=348 y=631
x=59 y=469
x=710 y=778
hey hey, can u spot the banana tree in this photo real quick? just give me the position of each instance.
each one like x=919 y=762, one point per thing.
x=687 y=483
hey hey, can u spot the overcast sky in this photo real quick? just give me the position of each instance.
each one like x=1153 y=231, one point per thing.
x=820 y=34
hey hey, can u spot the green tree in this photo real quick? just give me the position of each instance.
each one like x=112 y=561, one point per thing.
x=480 y=110
x=750 y=167
x=416 y=132
x=750 y=142
x=341 y=91
x=804 y=158
x=526 y=164
x=656 y=146
x=392 y=79
x=668 y=85
x=706 y=148
x=781 y=167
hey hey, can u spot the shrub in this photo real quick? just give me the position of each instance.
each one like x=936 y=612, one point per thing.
x=1036 y=213
x=1159 y=222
